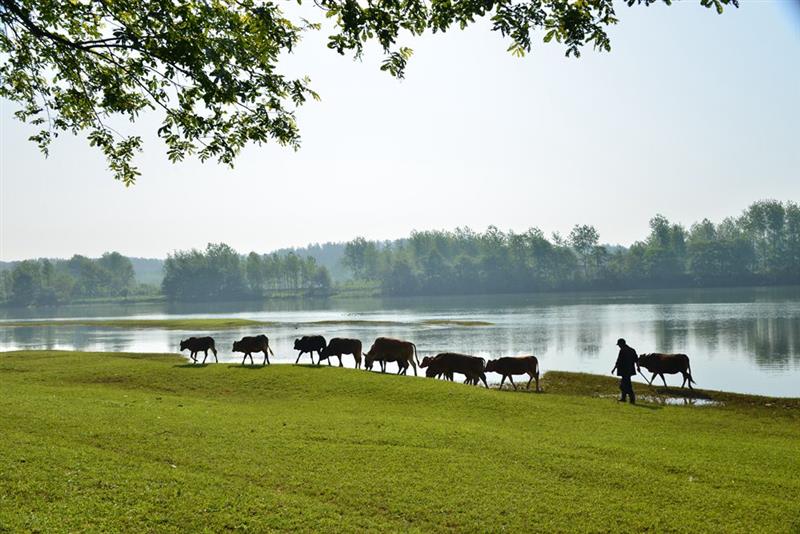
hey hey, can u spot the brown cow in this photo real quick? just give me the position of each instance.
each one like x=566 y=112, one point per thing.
x=386 y=349
x=518 y=365
x=196 y=344
x=251 y=344
x=671 y=364
x=450 y=362
x=338 y=346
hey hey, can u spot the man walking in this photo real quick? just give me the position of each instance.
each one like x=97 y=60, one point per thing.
x=626 y=366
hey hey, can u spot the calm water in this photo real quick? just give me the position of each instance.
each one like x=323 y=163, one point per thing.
x=745 y=340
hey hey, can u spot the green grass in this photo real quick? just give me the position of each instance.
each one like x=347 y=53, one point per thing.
x=111 y=442
x=222 y=323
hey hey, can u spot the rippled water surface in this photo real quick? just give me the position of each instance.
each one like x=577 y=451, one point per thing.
x=745 y=340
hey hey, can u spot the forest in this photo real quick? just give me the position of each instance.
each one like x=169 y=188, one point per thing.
x=759 y=247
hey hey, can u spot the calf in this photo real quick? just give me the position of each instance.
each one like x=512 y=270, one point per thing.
x=518 y=365
x=341 y=345
x=309 y=344
x=251 y=344
x=386 y=349
x=671 y=364
x=435 y=369
x=196 y=344
x=471 y=367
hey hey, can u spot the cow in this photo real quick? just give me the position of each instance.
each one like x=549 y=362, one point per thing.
x=196 y=344
x=386 y=349
x=309 y=344
x=518 y=365
x=251 y=344
x=341 y=345
x=471 y=367
x=434 y=369
x=671 y=364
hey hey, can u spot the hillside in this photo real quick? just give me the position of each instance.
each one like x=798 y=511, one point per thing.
x=113 y=442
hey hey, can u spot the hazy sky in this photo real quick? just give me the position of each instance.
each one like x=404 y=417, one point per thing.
x=691 y=115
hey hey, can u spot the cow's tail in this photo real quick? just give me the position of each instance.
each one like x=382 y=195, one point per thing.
x=415 y=354
x=270 y=350
x=689 y=368
x=537 y=367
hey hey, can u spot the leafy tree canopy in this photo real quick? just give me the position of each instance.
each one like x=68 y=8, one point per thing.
x=211 y=66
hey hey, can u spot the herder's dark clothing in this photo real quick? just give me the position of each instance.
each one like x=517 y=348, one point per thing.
x=626 y=388
x=626 y=368
x=626 y=361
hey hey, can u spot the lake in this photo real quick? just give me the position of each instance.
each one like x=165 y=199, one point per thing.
x=744 y=340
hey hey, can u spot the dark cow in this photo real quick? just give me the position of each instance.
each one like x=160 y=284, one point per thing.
x=386 y=349
x=671 y=364
x=341 y=345
x=518 y=365
x=471 y=367
x=251 y=344
x=435 y=369
x=196 y=344
x=309 y=344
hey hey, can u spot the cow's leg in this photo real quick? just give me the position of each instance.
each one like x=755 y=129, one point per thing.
x=358 y=359
x=511 y=379
x=301 y=353
x=684 y=380
x=194 y=360
x=414 y=366
x=340 y=361
x=651 y=379
x=383 y=366
x=266 y=358
x=482 y=376
x=329 y=361
x=529 y=382
x=502 y=380
x=204 y=357
x=214 y=350
x=244 y=358
x=664 y=380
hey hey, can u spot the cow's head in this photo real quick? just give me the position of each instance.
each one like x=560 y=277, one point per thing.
x=491 y=366
x=369 y=359
x=426 y=361
x=297 y=344
x=236 y=345
x=647 y=360
x=184 y=344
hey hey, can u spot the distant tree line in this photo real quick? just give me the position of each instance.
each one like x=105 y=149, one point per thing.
x=762 y=246
x=759 y=247
x=44 y=281
x=219 y=272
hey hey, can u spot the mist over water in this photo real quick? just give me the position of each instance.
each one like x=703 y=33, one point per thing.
x=744 y=340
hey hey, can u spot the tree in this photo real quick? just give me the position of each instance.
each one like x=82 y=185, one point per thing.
x=211 y=68
x=26 y=282
x=254 y=270
x=360 y=256
x=584 y=239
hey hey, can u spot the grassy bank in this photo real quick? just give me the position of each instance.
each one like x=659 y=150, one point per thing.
x=224 y=323
x=146 y=442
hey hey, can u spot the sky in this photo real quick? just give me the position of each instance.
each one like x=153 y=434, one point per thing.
x=691 y=115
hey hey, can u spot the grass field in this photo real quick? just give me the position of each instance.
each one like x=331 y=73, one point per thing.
x=224 y=323
x=110 y=442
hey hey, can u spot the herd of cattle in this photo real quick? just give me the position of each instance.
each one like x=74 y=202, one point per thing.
x=404 y=353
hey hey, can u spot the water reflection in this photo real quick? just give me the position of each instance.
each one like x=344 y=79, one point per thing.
x=744 y=340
